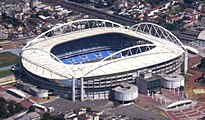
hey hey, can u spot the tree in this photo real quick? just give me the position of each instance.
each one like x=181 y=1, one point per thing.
x=88 y=109
x=18 y=107
x=3 y=113
x=181 y=88
x=11 y=107
x=116 y=103
x=156 y=2
x=189 y=1
x=81 y=1
x=48 y=34
x=100 y=4
x=151 y=1
x=32 y=109
x=47 y=116
x=2 y=102
x=175 y=26
x=110 y=2
x=161 y=19
x=46 y=13
x=4 y=16
x=202 y=64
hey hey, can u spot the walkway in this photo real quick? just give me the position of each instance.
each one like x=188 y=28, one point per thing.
x=196 y=73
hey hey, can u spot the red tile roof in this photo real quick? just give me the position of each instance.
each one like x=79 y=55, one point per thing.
x=26 y=103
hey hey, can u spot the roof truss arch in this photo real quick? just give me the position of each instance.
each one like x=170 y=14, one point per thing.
x=147 y=46
x=157 y=31
x=73 y=26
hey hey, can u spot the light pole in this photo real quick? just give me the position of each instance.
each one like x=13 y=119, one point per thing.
x=185 y=62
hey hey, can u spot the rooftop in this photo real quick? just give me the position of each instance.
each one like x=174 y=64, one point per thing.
x=42 y=56
x=126 y=88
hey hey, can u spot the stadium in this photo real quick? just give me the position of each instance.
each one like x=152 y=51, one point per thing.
x=86 y=59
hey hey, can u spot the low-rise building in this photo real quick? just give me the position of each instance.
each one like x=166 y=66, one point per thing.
x=89 y=116
x=148 y=83
x=40 y=93
x=30 y=116
x=80 y=111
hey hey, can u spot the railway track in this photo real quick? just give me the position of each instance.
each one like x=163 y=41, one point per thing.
x=93 y=12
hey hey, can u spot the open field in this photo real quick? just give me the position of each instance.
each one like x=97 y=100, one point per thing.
x=5 y=73
x=7 y=58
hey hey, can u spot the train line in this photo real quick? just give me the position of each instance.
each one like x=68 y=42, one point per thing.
x=92 y=12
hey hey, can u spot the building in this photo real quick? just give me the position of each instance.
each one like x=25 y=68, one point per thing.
x=31 y=116
x=126 y=93
x=34 y=3
x=88 y=116
x=172 y=81
x=1 y=48
x=148 y=83
x=71 y=116
x=118 y=4
x=40 y=93
x=27 y=116
x=80 y=111
x=7 y=80
x=86 y=59
x=16 y=92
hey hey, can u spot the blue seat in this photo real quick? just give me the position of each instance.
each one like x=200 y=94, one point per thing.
x=117 y=55
x=77 y=59
x=66 y=61
x=80 y=58
x=104 y=53
x=83 y=57
x=91 y=56
x=110 y=52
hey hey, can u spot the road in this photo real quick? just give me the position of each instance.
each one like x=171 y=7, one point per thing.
x=134 y=112
x=93 y=12
x=63 y=105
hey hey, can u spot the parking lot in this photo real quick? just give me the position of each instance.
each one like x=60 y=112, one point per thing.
x=63 y=105
x=8 y=96
x=134 y=112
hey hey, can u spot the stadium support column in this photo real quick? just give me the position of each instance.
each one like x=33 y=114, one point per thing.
x=20 y=64
x=81 y=89
x=73 y=90
x=185 y=62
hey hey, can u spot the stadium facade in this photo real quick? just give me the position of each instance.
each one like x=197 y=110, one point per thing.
x=86 y=59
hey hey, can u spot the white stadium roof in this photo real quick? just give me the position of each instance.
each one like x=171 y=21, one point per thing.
x=192 y=49
x=178 y=103
x=201 y=35
x=37 y=59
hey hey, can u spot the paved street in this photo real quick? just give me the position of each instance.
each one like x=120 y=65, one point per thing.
x=134 y=112
x=63 y=105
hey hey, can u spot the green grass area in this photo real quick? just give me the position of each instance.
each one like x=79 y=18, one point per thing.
x=7 y=58
x=5 y=73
